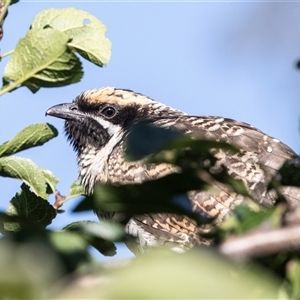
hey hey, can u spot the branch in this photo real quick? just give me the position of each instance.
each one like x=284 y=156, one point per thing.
x=262 y=243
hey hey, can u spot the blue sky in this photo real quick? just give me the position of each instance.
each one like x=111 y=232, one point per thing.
x=231 y=59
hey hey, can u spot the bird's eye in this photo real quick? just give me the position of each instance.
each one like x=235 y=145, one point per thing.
x=108 y=111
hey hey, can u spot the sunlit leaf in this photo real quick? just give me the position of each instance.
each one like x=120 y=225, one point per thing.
x=31 y=136
x=76 y=190
x=86 y=33
x=42 y=59
x=25 y=170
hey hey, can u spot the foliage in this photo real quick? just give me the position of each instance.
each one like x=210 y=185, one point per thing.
x=40 y=263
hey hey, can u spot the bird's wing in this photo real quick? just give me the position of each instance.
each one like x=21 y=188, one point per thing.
x=168 y=230
x=270 y=152
x=259 y=158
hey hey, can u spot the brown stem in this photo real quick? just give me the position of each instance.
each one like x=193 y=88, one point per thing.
x=262 y=243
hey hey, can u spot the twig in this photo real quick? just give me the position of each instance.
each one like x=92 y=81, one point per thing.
x=7 y=53
x=262 y=243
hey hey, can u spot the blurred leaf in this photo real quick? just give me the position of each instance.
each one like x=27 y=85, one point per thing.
x=31 y=208
x=105 y=229
x=289 y=173
x=244 y=219
x=31 y=136
x=72 y=249
x=166 y=275
x=13 y=2
x=293 y=275
x=237 y=185
x=27 y=171
x=29 y=269
x=99 y=235
x=86 y=33
x=145 y=139
x=159 y=195
x=42 y=59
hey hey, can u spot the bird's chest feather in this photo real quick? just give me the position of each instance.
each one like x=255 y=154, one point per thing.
x=94 y=162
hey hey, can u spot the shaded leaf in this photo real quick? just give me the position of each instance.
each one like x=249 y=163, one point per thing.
x=29 y=267
x=289 y=173
x=9 y=220
x=99 y=235
x=42 y=59
x=86 y=33
x=31 y=208
x=71 y=248
x=31 y=136
x=161 y=195
x=146 y=139
x=245 y=218
x=26 y=170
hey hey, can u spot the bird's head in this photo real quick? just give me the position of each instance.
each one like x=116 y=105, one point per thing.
x=98 y=120
x=95 y=116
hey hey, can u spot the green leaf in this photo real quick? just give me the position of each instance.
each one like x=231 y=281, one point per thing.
x=26 y=170
x=14 y=2
x=31 y=208
x=197 y=274
x=99 y=235
x=51 y=180
x=293 y=275
x=42 y=59
x=289 y=173
x=245 y=218
x=31 y=267
x=76 y=190
x=170 y=146
x=86 y=33
x=164 y=195
x=31 y=136
x=145 y=139
x=72 y=249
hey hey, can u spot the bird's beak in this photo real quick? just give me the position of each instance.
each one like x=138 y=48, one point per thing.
x=67 y=111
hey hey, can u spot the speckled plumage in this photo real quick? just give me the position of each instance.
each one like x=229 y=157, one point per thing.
x=97 y=123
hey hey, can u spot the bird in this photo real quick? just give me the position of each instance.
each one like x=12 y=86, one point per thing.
x=97 y=124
